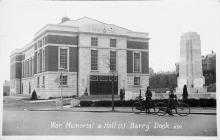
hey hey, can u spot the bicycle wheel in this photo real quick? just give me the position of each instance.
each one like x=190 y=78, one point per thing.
x=160 y=109
x=152 y=108
x=137 y=107
x=182 y=109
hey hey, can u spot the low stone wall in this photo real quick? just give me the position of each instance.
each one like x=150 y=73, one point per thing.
x=209 y=95
x=191 y=96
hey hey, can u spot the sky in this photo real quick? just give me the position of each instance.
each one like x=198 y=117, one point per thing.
x=164 y=20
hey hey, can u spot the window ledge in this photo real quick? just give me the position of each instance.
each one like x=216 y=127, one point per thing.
x=136 y=86
x=137 y=72
x=64 y=86
x=94 y=70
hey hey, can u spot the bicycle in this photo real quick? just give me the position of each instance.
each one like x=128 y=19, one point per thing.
x=139 y=106
x=180 y=107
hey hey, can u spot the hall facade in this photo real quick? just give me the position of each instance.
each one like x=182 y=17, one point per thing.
x=88 y=52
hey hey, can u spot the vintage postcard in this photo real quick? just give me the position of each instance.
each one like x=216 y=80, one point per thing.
x=109 y=68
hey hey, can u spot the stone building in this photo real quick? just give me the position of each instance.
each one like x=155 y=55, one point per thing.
x=6 y=88
x=89 y=51
x=209 y=69
x=209 y=62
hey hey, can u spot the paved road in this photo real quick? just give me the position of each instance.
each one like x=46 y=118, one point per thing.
x=17 y=104
x=16 y=121
x=93 y=123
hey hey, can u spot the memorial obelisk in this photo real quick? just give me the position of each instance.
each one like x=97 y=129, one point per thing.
x=190 y=65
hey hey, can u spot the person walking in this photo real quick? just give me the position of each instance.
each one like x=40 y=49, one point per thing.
x=148 y=96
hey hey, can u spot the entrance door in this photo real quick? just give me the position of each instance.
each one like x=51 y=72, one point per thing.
x=102 y=85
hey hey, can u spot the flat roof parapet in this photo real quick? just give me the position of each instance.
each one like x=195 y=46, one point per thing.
x=15 y=51
x=55 y=27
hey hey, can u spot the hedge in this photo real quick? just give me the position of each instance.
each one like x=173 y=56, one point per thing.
x=118 y=103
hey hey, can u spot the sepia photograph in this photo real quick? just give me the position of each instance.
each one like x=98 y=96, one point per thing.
x=109 y=68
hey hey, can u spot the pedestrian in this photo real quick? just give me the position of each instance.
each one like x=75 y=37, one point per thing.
x=148 y=96
x=185 y=92
x=121 y=95
x=171 y=101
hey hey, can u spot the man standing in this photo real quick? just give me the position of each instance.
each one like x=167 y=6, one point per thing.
x=171 y=101
x=148 y=96
x=121 y=95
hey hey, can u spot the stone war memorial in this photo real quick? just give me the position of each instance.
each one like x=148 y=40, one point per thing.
x=190 y=67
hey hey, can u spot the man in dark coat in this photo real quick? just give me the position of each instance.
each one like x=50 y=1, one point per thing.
x=121 y=95
x=185 y=92
x=171 y=101
x=148 y=96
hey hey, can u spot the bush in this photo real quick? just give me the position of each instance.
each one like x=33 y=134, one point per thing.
x=103 y=103
x=5 y=94
x=192 y=102
x=211 y=88
x=161 y=90
x=34 y=95
x=118 y=103
x=74 y=96
x=207 y=103
x=86 y=103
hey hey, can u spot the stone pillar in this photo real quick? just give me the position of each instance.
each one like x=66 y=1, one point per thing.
x=190 y=65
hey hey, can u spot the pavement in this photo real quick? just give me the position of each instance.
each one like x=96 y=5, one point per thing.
x=44 y=123
x=193 y=110
x=24 y=117
x=23 y=103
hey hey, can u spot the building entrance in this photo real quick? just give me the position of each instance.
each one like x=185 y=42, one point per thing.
x=102 y=85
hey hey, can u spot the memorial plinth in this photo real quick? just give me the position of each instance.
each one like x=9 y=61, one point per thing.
x=190 y=65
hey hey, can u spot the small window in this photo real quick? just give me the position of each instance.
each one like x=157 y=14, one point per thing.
x=63 y=58
x=94 y=41
x=63 y=80
x=40 y=43
x=27 y=62
x=22 y=69
x=38 y=82
x=137 y=62
x=38 y=62
x=94 y=60
x=112 y=42
x=43 y=60
x=43 y=41
x=35 y=46
x=137 y=81
x=32 y=65
x=112 y=60
x=43 y=81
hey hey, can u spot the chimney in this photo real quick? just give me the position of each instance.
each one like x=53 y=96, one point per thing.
x=64 y=19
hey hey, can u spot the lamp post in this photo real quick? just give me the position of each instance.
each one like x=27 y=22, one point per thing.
x=113 y=108
x=61 y=87
x=113 y=94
